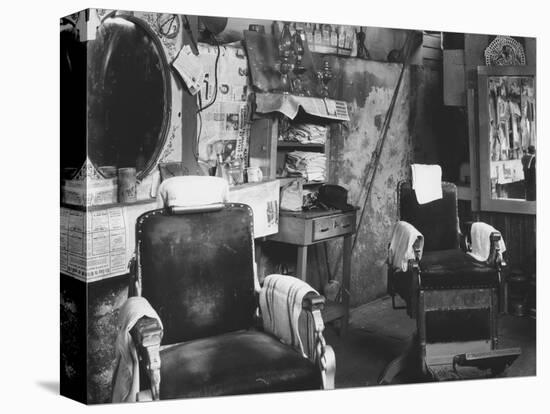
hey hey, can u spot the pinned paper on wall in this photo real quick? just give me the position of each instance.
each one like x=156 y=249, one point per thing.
x=224 y=122
x=189 y=66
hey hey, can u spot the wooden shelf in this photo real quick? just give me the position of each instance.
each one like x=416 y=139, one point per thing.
x=242 y=186
x=286 y=180
x=292 y=144
x=107 y=206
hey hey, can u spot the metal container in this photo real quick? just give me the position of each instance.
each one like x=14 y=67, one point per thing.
x=127 y=185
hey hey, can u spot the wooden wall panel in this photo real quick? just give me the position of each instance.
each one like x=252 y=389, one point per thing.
x=518 y=230
x=520 y=235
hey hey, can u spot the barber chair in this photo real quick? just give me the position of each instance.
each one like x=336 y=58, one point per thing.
x=452 y=296
x=195 y=266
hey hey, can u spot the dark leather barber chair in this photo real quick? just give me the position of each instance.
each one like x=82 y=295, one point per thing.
x=452 y=296
x=195 y=266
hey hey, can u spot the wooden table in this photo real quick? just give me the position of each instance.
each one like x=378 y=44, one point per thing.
x=304 y=229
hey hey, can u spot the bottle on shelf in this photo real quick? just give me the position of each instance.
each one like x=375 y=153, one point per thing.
x=220 y=167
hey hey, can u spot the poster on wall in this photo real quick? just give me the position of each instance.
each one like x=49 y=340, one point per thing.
x=93 y=244
x=224 y=121
x=263 y=198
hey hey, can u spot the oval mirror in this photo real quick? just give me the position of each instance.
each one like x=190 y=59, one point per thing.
x=128 y=95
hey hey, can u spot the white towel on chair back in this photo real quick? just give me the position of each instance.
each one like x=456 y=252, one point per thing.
x=481 y=243
x=192 y=190
x=281 y=300
x=126 y=375
x=426 y=182
x=403 y=237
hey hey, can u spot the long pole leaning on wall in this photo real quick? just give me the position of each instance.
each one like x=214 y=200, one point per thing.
x=372 y=164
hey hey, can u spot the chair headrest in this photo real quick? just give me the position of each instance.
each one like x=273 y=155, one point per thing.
x=192 y=191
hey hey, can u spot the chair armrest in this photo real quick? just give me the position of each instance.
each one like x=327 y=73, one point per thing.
x=147 y=335
x=313 y=301
x=417 y=249
x=400 y=250
x=299 y=325
x=495 y=258
x=413 y=265
x=413 y=269
x=324 y=354
x=495 y=255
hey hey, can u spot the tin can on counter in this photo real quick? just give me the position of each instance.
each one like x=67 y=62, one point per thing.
x=127 y=185
x=254 y=174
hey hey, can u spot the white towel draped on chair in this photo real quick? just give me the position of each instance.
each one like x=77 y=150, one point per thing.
x=126 y=375
x=281 y=300
x=426 y=182
x=481 y=243
x=403 y=237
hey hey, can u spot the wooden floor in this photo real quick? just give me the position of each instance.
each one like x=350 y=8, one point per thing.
x=377 y=334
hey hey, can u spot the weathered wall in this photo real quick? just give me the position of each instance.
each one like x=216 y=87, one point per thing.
x=104 y=301
x=72 y=315
x=88 y=332
x=368 y=88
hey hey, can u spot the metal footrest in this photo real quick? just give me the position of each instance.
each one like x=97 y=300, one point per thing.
x=496 y=360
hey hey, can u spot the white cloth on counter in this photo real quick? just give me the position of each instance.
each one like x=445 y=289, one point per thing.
x=310 y=165
x=426 y=182
x=192 y=190
x=307 y=133
x=126 y=375
x=403 y=237
x=481 y=243
x=281 y=300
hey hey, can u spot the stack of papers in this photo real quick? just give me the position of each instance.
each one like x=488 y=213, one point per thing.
x=307 y=134
x=310 y=165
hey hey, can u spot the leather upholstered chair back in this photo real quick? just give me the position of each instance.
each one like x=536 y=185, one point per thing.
x=197 y=271
x=437 y=220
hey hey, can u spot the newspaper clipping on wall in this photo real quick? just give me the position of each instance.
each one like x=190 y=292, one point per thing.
x=94 y=244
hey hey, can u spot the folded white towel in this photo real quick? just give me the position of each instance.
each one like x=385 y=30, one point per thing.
x=281 y=300
x=192 y=190
x=403 y=237
x=426 y=182
x=481 y=242
x=126 y=375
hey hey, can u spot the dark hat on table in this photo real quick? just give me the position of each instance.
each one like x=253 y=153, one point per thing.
x=334 y=196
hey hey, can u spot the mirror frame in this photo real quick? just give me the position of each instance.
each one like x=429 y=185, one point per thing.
x=167 y=80
x=488 y=203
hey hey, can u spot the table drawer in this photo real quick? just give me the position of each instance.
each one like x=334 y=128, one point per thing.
x=327 y=227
